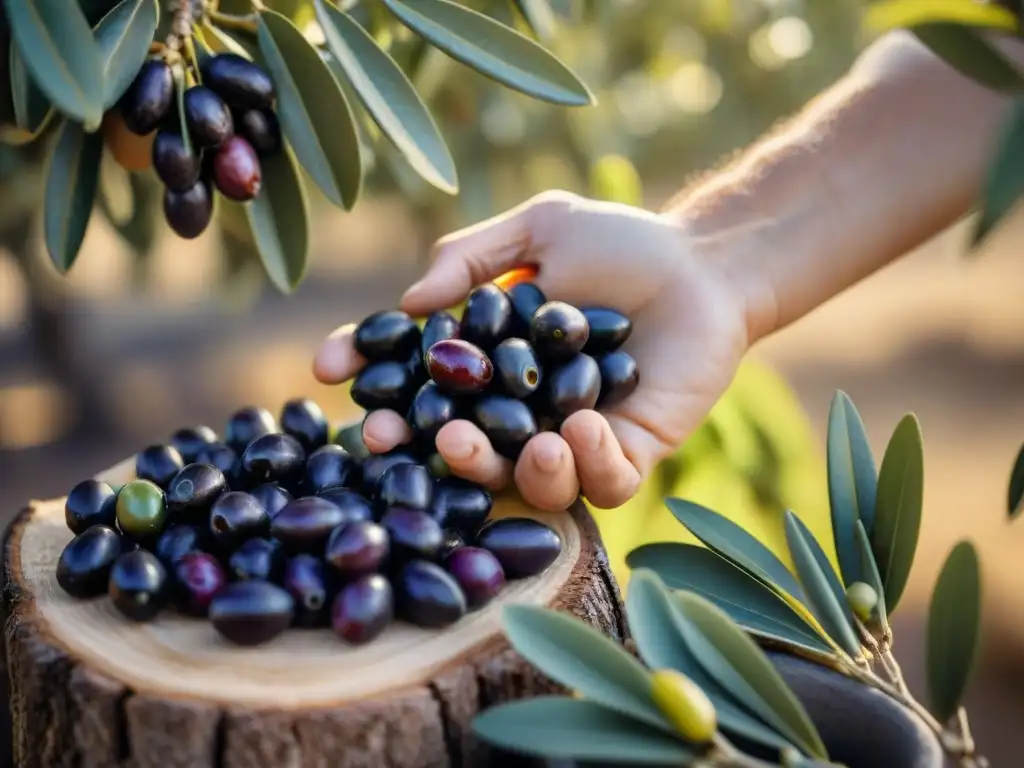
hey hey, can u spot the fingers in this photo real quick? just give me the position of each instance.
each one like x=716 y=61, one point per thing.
x=384 y=430
x=608 y=479
x=546 y=473
x=469 y=454
x=337 y=360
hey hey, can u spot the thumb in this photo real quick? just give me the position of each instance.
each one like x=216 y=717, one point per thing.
x=482 y=252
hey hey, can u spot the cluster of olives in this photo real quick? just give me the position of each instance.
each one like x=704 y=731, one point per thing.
x=275 y=526
x=515 y=364
x=231 y=124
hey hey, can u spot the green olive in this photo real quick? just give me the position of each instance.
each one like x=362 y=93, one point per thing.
x=141 y=510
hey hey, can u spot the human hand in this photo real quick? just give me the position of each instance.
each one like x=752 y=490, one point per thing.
x=689 y=333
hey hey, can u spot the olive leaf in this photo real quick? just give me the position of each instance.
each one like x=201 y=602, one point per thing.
x=825 y=593
x=222 y=41
x=540 y=17
x=124 y=36
x=315 y=116
x=1005 y=182
x=32 y=110
x=279 y=220
x=71 y=181
x=735 y=544
x=57 y=46
x=892 y=14
x=852 y=480
x=954 y=624
x=964 y=49
x=562 y=727
x=747 y=601
x=869 y=567
x=898 y=508
x=180 y=86
x=580 y=657
x=389 y=97
x=735 y=661
x=493 y=49
x=1015 y=489
x=655 y=628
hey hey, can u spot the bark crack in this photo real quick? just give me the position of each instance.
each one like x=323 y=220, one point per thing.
x=451 y=742
x=124 y=739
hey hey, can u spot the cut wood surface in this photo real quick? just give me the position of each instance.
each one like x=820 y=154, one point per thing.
x=90 y=688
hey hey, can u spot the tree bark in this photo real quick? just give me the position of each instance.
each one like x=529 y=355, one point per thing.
x=87 y=688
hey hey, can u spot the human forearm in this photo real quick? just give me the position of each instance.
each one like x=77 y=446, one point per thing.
x=889 y=156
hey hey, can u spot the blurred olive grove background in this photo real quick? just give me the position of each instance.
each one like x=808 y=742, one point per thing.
x=149 y=332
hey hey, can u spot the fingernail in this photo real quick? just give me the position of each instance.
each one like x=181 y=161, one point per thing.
x=547 y=458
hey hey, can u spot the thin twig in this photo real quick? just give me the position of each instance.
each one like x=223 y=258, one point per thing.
x=181 y=24
x=245 y=23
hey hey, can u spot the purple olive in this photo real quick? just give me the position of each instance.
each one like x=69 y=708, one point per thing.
x=478 y=573
x=363 y=609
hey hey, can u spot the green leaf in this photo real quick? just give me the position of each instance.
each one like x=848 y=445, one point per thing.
x=898 y=508
x=221 y=41
x=870 y=570
x=1005 y=182
x=735 y=661
x=493 y=49
x=892 y=14
x=1015 y=491
x=71 y=181
x=56 y=43
x=825 y=594
x=852 y=479
x=954 y=627
x=124 y=36
x=315 y=117
x=389 y=97
x=561 y=727
x=180 y=86
x=734 y=544
x=32 y=110
x=539 y=16
x=279 y=220
x=579 y=657
x=966 y=50
x=747 y=601
x=654 y=622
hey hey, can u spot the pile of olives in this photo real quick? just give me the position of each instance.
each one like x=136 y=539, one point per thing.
x=274 y=526
x=231 y=124
x=514 y=364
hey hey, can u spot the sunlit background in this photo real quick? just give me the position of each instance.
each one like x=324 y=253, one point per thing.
x=126 y=349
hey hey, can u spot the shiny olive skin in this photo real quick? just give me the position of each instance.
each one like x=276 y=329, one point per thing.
x=461 y=505
x=304 y=420
x=522 y=545
x=306 y=581
x=507 y=422
x=245 y=425
x=141 y=510
x=387 y=335
x=609 y=330
x=358 y=548
x=330 y=466
x=558 y=331
x=261 y=559
x=178 y=169
x=237 y=172
x=431 y=409
x=428 y=596
x=272 y=496
x=573 y=386
x=620 y=377
x=261 y=129
x=235 y=517
x=189 y=213
x=158 y=464
x=388 y=384
x=526 y=299
x=138 y=585
x=516 y=370
x=417 y=368
x=190 y=441
x=83 y=569
x=478 y=573
x=453 y=541
x=193 y=490
x=405 y=485
x=91 y=502
x=238 y=81
x=376 y=465
x=440 y=326
x=459 y=367
x=487 y=318
x=251 y=613
x=305 y=524
x=198 y=578
x=209 y=120
x=148 y=98
x=225 y=459
x=363 y=609
x=274 y=458
x=177 y=541
x=413 y=533
x=353 y=505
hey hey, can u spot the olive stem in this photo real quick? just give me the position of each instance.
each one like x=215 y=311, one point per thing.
x=245 y=23
x=725 y=755
x=181 y=24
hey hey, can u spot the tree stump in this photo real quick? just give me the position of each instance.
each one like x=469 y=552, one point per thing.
x=89 y=688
